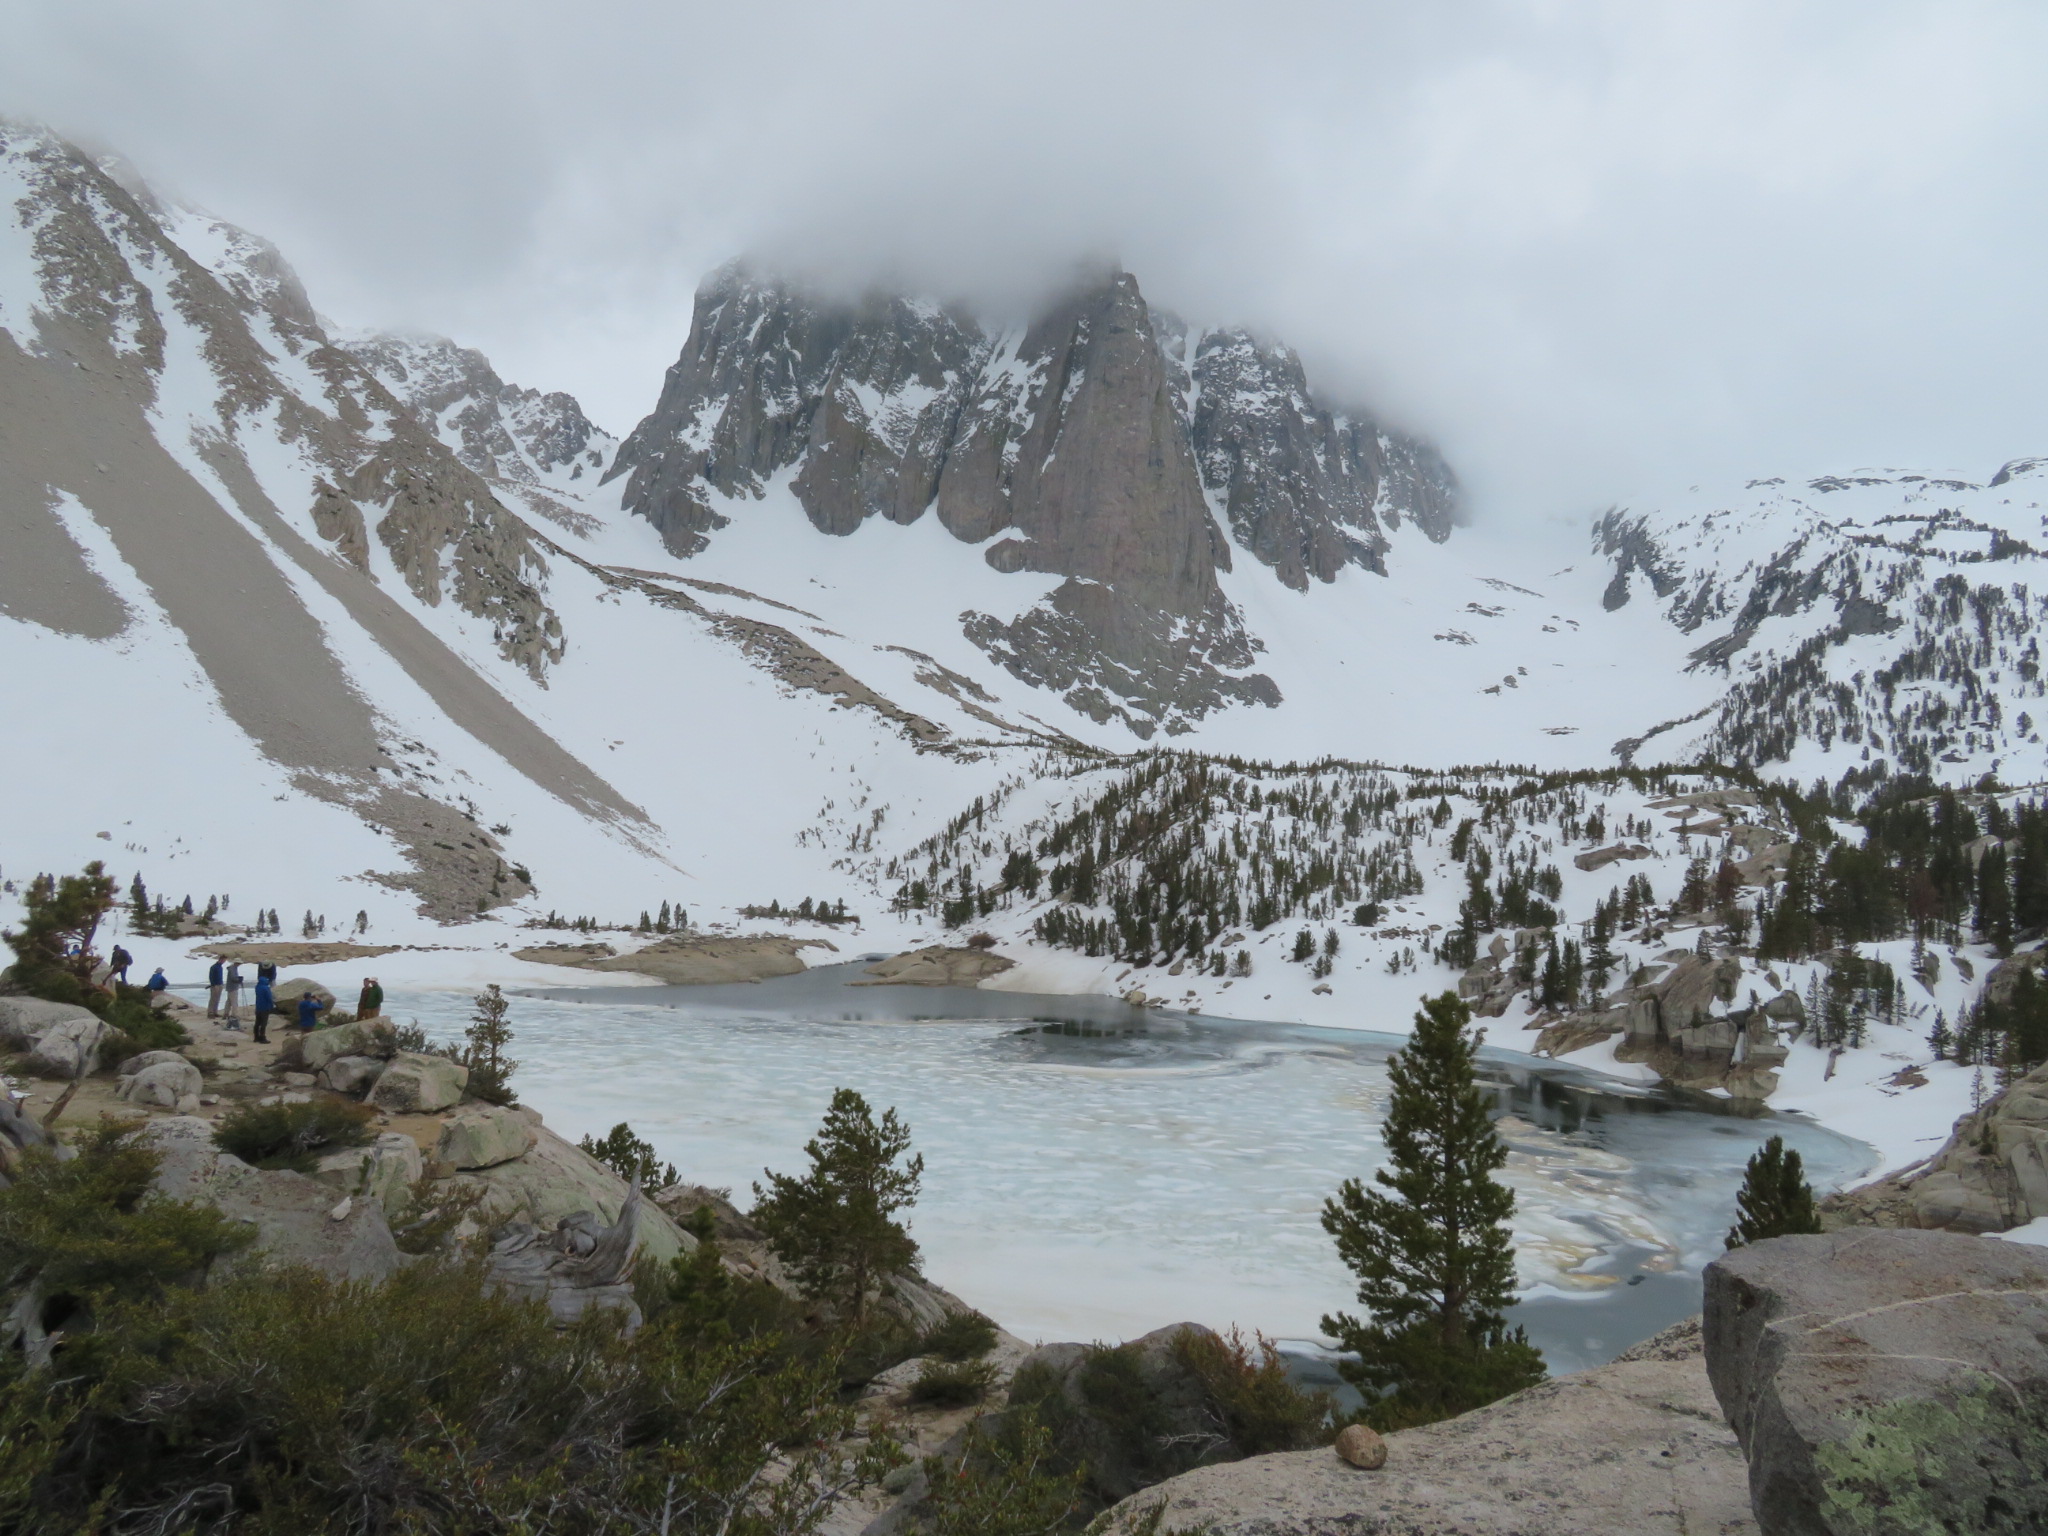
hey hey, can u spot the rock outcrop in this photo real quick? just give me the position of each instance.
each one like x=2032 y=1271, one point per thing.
x=483 y=1137
x=383 y=1172
x=416 y=1084
x=1885 y=1381
x=553 y=1180
x=1990 y=1176
x=295 y=1216
x=25 y=1020
x=1675 y=1016
x=937 y=965
x=529 y=447
x=1086 y=445
x=695 y=959
x=1634 y=1448
x=68 y=1049
x=173 y=1084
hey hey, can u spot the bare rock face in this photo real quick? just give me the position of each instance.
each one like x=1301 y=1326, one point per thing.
x=1634 y=1448
x=1675 y=1017
x=1307 y=490
x=1087 y=445
x=24 y=1020
x=528 y=446
x=419 y=1085
x=290 y=1211
x=1990 y=1176
x=483 y=1137
x=68 y=1049
x=1885 y=1381
x=166 y=1084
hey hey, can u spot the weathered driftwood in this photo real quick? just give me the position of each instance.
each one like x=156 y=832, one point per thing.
x=579 y=1266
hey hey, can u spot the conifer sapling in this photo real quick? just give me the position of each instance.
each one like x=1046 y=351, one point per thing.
x=1775 y=1200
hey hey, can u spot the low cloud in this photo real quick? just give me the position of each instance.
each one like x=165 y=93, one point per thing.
x=1598 y=250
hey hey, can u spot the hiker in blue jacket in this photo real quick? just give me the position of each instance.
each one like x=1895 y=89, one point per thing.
x=216 y=978
x=309 y=1011
x=266 y=1004
x=157 y=986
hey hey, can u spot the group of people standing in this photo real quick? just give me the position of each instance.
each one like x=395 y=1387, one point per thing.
x=224 y=998
x=224 y=985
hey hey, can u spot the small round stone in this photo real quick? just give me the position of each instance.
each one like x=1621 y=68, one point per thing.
x=1361 y=1447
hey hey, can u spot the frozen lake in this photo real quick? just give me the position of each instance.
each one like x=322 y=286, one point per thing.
x=1093 y=1171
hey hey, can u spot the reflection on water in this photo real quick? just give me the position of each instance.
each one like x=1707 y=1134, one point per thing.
x=1095 y=1170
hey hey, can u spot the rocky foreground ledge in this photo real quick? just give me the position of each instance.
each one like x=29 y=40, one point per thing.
x=1860 y=1383
x=1635 y=1448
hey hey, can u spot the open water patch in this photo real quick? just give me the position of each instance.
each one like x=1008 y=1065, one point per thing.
x=1094 y=1170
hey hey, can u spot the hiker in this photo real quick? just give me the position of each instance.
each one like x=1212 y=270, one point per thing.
x=216 y=978
x=266 y=970
x=117 y=966
x=157 y=987
x=231 y=1009
x=371 y=1003
x=309 y=1011
x=265 y=1005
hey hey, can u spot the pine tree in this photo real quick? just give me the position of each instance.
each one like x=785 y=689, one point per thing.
x=53 y=948
x=1775 y=1200
x=1994 y=901
x=836 y=1226
x=490 y=1069
x=1432 y=1253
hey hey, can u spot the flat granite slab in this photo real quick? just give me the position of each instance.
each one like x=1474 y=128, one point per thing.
x=1634 y=1448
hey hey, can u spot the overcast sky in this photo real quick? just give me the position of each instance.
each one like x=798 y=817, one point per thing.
x=1595 y=249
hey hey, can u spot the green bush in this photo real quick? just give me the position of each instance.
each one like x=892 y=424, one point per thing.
x=962 y=1336
x=293 y=1136
x=1253 y=1400
x=76 y=1232
x=288 y=1402
x=285 y=1403
x=1008 y=1484
x=949 y=1384
x=704 y=1300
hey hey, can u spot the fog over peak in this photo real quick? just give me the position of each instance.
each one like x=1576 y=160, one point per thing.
x=1597 y=250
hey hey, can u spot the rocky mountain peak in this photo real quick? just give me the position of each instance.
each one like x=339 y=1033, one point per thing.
x=529 y=446
x=1097 y=443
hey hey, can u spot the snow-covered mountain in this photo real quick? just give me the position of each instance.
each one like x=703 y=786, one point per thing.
x=1103 y=443
x=532 y=449
x=360 y=604
x=1867 y=623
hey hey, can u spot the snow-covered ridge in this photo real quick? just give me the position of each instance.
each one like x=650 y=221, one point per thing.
x=1869 y=623
x=538 y=450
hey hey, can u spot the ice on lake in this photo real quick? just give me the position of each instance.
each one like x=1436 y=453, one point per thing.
x=1094 y=1171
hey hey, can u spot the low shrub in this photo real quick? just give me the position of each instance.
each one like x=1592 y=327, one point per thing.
x=951 y=1384
x=962 y=1336
x=1009 y=1484
x=293 y=1136
x=434 y=1208
x=1249 y=1393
